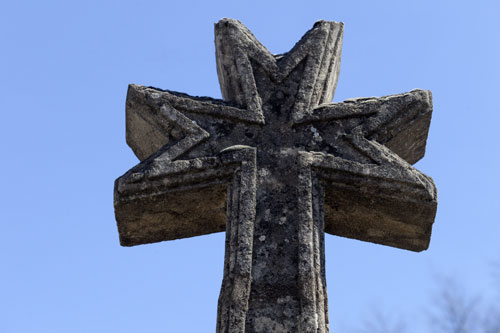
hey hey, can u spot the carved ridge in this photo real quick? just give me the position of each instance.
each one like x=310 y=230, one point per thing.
x=209 y=106
x=235 y=290
x=313 y=316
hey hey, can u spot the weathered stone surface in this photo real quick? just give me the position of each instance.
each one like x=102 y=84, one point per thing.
x=275 y=165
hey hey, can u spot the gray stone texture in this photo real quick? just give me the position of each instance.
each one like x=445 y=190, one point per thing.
x=276 y=164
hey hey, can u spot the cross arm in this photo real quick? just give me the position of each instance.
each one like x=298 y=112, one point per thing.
x=156 y=118
x=160 y=200
x=387 y=202
x=400 y=122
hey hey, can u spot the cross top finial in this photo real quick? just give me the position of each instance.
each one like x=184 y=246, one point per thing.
x=250 y=75
x=276 y=165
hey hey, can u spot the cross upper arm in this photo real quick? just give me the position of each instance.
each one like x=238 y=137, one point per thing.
x=175 y=122
x=400 y=122
x=248 y=72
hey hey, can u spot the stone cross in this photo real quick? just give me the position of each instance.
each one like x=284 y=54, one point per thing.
x=275 y=165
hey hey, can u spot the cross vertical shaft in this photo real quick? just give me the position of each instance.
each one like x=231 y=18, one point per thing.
x=287 y=290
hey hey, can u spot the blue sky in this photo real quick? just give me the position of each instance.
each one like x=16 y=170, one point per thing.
x=64 y=71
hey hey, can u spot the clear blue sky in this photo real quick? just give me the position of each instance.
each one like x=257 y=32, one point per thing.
x=64 y=71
